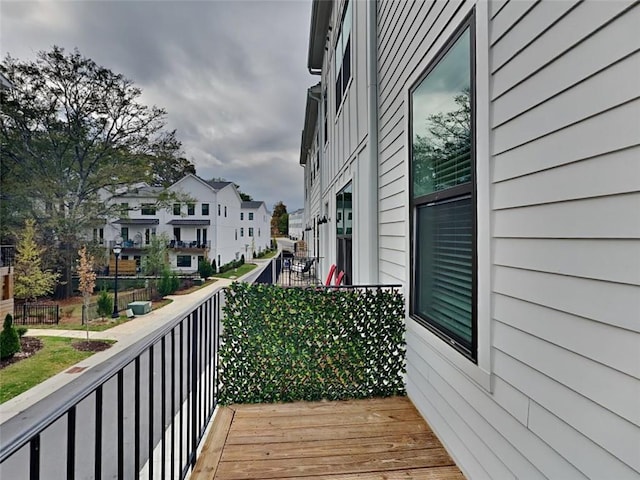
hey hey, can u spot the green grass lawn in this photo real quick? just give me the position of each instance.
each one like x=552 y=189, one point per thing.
x=195 y=288
x=271 y=254
x=237 y=272
x=56 y=355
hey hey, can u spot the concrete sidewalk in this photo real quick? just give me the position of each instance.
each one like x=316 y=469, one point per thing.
x=124 y=334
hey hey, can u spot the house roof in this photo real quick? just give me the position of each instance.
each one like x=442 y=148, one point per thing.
x=189 y=221
x=310 y=121
x=195 y=177
x=252 y=204
x=138 y=190
x=320 y=17
x=138 y=221
x=219 y=185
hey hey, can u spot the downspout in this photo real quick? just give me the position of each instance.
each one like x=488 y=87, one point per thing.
x=372 y=85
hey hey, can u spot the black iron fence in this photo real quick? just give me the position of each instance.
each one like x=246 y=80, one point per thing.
x=140 y=413
x=36 y=314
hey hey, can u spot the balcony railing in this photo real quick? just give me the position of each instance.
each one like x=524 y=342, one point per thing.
x=144 y=410
x=189 y=244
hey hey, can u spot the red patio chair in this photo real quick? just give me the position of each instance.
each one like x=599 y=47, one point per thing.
x=332 y=270
x=339 y=278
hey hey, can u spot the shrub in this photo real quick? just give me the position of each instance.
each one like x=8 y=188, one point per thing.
x=213 y=266
x=175 y=283
x=105 y=304
x=21 y=331
x=164 y=285
x=205 y=269
x=9 y=338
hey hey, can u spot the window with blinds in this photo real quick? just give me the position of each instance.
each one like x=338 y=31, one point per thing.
x=442 y=195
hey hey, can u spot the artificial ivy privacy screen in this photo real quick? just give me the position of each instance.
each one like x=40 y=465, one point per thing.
x=288 y=344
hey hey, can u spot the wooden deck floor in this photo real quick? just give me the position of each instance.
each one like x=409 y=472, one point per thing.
x=358 y=439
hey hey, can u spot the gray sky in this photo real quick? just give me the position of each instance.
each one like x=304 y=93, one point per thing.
x=231 y=74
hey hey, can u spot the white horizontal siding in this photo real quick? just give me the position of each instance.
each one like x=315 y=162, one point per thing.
x=481 y=407
x=584 y=20
x=613 y=390
x=605 y=302
x=526 y=30
x=569 y=107
x=607 y=174
x=508 y=16
x=607 y=260
x=612 y=130
x=565 y=249
x=577 y=449
x=589 y=218
x=619 y=352
x=603 y=48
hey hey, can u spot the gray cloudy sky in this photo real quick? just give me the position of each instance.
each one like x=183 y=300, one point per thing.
x=231 y=74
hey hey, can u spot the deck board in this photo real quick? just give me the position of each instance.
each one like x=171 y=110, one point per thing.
x=357 y=439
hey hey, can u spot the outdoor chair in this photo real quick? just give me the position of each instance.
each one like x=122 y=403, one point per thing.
x=302 y=268
x=332 y=270
x=339 y=278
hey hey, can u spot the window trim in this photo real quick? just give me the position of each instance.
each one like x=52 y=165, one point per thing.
x=480 y=372
x=452 y=193
x=337 y=72
x=178 y=257
x=145 y=208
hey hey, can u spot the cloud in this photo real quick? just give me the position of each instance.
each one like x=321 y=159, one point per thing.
x=231 y=74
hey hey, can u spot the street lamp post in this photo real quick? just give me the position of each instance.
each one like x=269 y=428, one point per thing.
x=116 y=251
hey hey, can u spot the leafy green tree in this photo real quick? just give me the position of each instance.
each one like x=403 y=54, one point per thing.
x=9 y=338
x=31 y=281
x=156 y=260
x=74 y=134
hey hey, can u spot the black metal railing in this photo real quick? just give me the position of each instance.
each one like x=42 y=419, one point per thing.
x=35 y=314
x=142 y=412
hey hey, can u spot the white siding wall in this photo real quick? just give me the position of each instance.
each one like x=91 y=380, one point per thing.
x=227 y=247
x=347 y=142
x=200 y=193
x=564 y=232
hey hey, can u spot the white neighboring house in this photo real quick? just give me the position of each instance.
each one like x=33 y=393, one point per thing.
x=227 y=212
x=209 y=227
x=296 y=224
x=255 y=224
x=519 y=249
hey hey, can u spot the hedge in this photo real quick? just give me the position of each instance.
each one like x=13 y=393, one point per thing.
x=289 y=344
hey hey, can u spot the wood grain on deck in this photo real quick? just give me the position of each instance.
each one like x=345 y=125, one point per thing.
x=356 y=439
